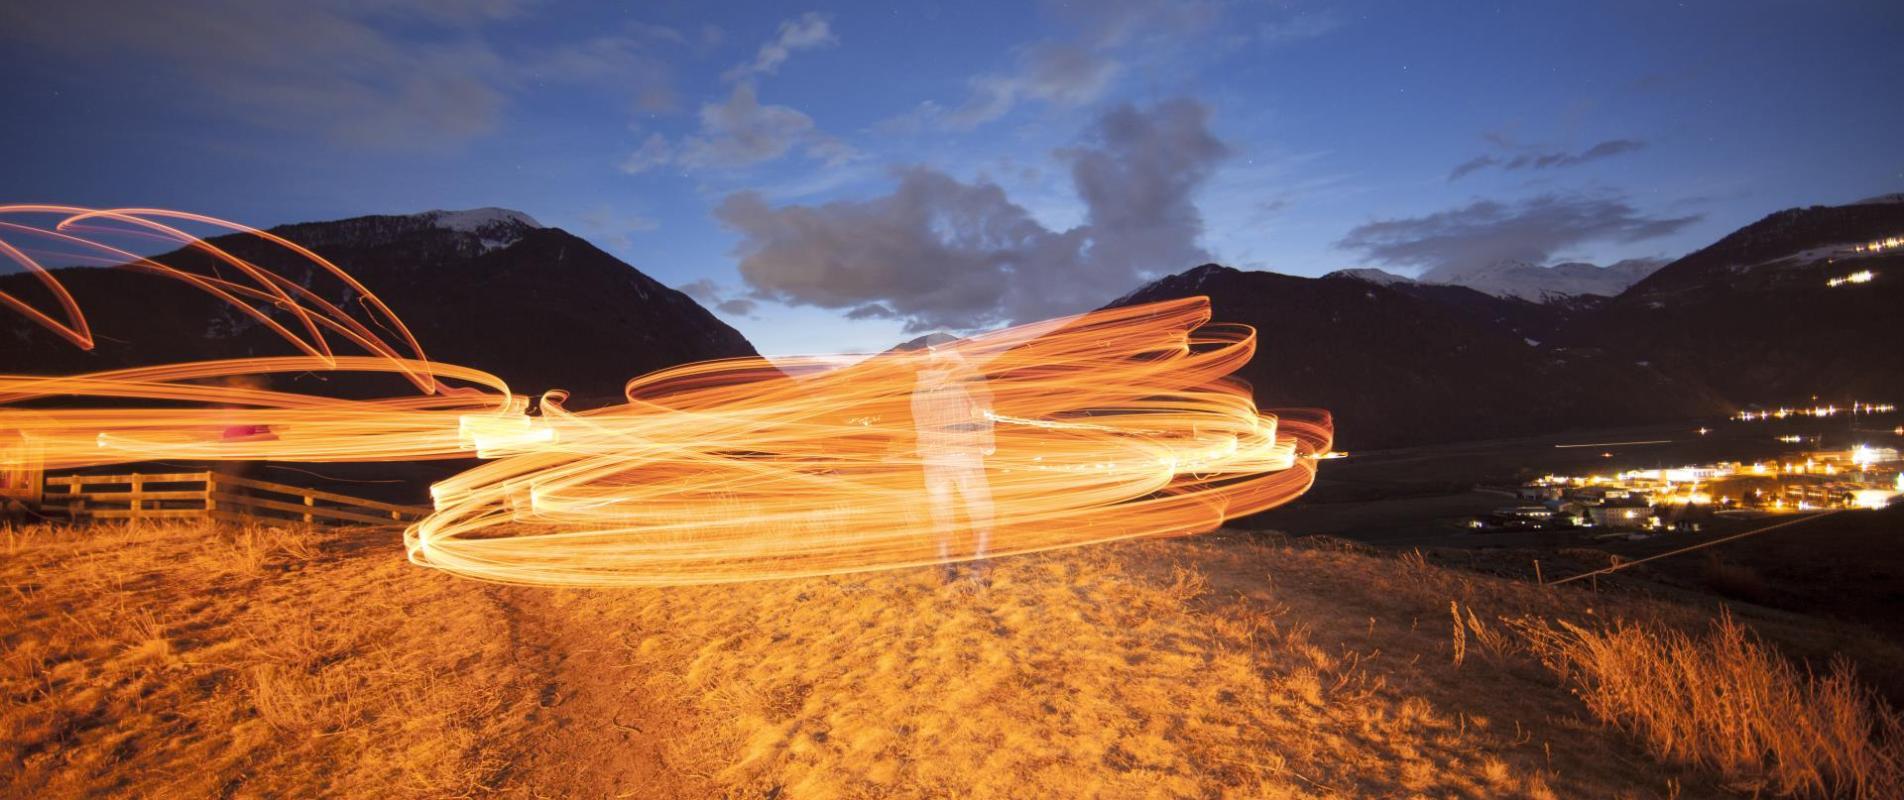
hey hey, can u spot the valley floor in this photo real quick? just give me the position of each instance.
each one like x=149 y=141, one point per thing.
x=195 y=661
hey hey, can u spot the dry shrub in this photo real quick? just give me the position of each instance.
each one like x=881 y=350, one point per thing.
x=1496 y=642
x=1459 y=633
x=300 y=702
x=1186 y=584
x=1729 y=701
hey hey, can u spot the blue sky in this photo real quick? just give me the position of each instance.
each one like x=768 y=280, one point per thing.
x=838 y=177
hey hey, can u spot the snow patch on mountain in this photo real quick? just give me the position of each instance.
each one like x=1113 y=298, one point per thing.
x=1372 y=275
x=1520 y=279
x=495 y=227
x=474 y=220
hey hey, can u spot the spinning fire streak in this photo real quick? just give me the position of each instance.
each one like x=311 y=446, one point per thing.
x=1109 y=425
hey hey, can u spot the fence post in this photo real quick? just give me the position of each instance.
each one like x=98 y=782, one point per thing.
x=211 y=488
x=138 y=499
x=309 y=501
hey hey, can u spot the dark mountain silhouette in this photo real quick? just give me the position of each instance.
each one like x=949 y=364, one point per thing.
x=1398 y=365
x=1755 y=315
x=488 y=289
x=1538 y=321
x=1752 y=319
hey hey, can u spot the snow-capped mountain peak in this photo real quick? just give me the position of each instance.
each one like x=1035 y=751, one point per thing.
x=1370 y=274
x=496 y=227
x=474 y=220
x=1520 y=279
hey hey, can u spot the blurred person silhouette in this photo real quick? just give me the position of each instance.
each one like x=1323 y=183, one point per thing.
x=951 y=415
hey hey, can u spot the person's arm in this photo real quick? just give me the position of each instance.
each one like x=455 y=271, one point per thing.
x=982 y=412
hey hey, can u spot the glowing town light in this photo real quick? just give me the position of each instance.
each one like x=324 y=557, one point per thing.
x=1873 y=499
x=1861 y=276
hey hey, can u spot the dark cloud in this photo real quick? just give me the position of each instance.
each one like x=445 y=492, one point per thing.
x=704 y=291
x=739 y=306
x=709 y=292
x=945 y=254
x=1136 y=179
x=936 y=250
x=1487 y=231
x=420 y=76
x=871 y=311
x=1604 y=149
x=1471 y=165
x=1545 y=160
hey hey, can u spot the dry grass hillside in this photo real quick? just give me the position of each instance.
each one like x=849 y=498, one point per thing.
x=192 y=661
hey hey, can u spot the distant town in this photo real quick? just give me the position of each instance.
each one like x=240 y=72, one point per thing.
x=1691 y=497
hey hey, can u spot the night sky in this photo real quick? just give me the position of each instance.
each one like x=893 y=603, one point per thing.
x=839 y=177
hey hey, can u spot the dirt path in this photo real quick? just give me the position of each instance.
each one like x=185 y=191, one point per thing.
x=597 y=733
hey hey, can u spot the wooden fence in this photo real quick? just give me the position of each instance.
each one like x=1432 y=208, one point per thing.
x=210 y=495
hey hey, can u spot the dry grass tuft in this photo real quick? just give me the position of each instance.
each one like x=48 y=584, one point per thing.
x=1729 y=701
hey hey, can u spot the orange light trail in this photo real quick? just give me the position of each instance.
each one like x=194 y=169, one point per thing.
x=1115 y=424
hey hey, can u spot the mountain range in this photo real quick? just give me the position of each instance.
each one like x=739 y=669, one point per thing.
x=1772 y=313
x=1511 y=278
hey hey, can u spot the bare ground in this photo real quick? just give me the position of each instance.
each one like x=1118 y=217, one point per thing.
x=186 y=661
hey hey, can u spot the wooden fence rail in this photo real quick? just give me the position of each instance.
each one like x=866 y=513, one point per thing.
x=210 y=495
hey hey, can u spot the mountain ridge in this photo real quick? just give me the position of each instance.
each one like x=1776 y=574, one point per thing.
x=1522 y=280
x=1753 y=318
x=485 y=288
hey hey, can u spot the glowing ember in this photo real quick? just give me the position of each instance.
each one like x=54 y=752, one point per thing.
x=1110 y=425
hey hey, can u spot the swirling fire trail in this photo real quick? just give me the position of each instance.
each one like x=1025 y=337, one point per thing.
x=1109 y=425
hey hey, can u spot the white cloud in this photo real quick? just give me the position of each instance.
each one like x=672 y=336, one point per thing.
x=1300 y=26
x=1070 y=71
x=1059 y=74
x=741 y=132
x=811 y=30
x=709 y=292
x=616 y=228
x=653 y=152
x=1448 y=242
